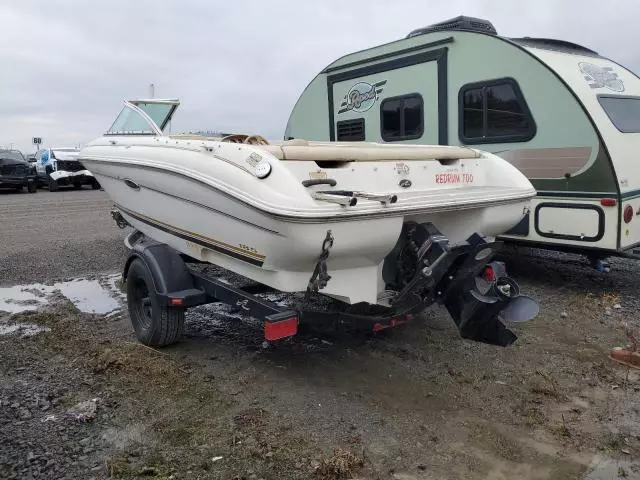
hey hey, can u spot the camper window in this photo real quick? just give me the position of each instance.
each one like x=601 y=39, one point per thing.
x=494 y=112
x=624 y=112
x=402 y=118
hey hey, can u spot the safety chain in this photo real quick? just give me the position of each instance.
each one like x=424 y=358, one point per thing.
x=320 y=277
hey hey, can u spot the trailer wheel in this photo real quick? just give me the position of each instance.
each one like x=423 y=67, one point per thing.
x=155 y=325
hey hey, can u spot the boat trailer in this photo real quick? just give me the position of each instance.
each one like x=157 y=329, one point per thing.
x=161 y=283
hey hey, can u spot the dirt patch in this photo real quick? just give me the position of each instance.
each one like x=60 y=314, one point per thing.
x=416 y=402
x=340 y=465
x=156 y=416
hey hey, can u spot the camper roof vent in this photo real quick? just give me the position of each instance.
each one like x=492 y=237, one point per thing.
x=468 y=24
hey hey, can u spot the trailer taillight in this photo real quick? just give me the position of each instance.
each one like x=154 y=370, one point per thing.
x=608 y=202
x=628 y=214
x=275 y=330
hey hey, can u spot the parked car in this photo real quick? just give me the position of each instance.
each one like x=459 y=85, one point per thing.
x=15 y=172
x=59 y=167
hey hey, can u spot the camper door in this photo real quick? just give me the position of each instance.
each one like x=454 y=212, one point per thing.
x=389 y=102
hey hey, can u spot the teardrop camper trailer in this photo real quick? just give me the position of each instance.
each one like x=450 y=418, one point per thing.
x=567 y=117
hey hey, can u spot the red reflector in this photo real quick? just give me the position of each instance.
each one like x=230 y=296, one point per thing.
x=628 y=214
x=280 y=329
x=489 y=275
x=608 y=202
x=176 y=301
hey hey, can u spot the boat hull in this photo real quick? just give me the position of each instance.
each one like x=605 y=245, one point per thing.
x=212 y=226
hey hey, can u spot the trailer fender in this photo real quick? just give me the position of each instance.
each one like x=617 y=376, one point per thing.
x=173 y=283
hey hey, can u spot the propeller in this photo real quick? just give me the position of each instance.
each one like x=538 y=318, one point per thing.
x=520 y=308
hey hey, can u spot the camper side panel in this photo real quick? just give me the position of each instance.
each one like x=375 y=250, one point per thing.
x=397 y=105
x=611 y=94
x=309 y=118
x=532 y=120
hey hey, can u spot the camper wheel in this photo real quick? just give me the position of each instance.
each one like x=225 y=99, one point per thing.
x=155 y=324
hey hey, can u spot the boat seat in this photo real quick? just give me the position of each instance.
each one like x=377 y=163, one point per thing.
x=247 y=139
x=302 y=150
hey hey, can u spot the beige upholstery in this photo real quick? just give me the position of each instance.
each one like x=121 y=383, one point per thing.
x=303 y=150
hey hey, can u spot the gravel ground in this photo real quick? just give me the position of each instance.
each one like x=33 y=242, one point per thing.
x=57 y=235
x=413 y=403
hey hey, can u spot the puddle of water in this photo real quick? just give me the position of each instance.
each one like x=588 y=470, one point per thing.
x=608 y=468
x=89 y=296
x=101 y=297
x=24 y=329
x=22 y=297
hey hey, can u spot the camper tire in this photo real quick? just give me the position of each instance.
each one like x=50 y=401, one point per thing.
x=155 y=325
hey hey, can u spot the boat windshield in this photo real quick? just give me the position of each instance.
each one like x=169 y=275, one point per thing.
x=130 y=122
x=144 y=117
x=160 y=113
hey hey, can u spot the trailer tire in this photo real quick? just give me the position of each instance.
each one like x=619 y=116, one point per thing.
x=155 y=325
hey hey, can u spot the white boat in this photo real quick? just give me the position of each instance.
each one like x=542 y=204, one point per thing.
x=337 y=216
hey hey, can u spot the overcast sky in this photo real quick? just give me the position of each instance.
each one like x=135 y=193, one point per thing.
x=66 y=66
